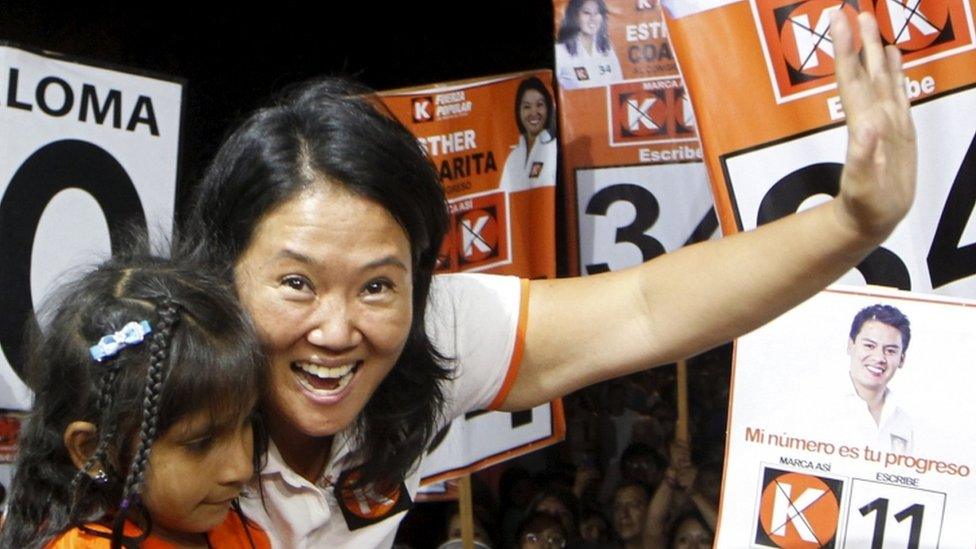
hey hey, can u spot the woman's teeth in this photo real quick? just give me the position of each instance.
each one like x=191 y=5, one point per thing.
x=324 y=379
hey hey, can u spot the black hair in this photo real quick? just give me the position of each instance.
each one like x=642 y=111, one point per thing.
x=691 y=514
x=540 y=521
x=569 y=27
x=637 y=450
x=336 y=131
x=885 y=314
x=533 y=83
x=640 y=485
x=201 y=355
x=566 y=498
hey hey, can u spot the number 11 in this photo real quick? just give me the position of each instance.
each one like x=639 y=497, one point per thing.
x=914 y=511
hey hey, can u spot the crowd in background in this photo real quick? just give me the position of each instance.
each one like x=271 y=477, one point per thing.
x=619 y=480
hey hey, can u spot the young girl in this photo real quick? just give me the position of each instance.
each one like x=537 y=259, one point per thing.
x=146 y=376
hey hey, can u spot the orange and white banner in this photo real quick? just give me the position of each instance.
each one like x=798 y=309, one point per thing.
x=811 y=464
x=635 y=183
x=493 y=142
x=760 y=73
x=498 y=166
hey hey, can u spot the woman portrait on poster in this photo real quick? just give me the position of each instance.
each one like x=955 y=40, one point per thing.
x=584 y=54
x=532 y=163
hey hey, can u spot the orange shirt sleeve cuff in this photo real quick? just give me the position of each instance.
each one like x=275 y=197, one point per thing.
x=516 y=361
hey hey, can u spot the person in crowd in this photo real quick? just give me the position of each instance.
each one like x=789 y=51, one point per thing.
x=532 y=163
x=630 y=502
x=584 y=53
x=690 y=531
x=674 y=496
x=560 y=503
x=146 y=376
x=594 y=529
x=541 y=531
x=640 y=462
x=327 y=218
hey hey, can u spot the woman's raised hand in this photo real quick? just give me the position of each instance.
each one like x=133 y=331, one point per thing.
x=878 y=182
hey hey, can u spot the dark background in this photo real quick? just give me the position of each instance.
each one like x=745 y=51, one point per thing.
x=234 y=59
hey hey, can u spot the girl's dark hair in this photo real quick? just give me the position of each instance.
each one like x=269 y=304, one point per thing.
x=201 y=356
x=533 y=83
x=336 y=131
x=569 y=27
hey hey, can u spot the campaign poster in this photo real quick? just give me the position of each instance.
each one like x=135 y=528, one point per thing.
x=493 y=142
x=635 y=185
x=86 y=152
x=761 y=77
x=849 y=425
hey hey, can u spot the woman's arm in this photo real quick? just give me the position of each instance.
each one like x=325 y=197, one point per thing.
x=584 y=330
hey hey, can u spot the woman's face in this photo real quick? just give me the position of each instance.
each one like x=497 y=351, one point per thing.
x=590 y=19
x=691 y=535
x=533 y=112
x=327 y=280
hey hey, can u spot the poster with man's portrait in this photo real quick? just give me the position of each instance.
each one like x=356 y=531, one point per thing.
x=851 y=425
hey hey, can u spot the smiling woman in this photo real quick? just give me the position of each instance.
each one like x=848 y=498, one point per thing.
x=327 y=216
x=532 y=163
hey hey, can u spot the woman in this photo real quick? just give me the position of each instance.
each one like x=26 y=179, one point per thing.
x=584 y=55
x=327 y=217
x=532 y=163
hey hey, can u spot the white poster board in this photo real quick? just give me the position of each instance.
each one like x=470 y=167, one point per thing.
x=85 y=151
x=808 y=466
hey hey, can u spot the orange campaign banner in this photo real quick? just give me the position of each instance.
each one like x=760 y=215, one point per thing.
x=493 y=142
x=499 y=170
x=820 y=451
x=635 y=184
x=760 y=73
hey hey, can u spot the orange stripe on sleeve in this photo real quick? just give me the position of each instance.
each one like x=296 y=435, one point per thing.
x=516 y=362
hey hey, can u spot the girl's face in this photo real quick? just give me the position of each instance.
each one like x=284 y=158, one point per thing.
x=590 y=19
x=328 y=282
x=196 y=468
x=691 y=535
x=533 y=112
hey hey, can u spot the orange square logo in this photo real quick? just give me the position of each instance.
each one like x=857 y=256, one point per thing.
x=650 y=111
x=800 y=53
x=478 y=235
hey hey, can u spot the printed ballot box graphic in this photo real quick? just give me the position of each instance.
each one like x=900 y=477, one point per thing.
x=478 y=237
x=798 y=510
x=799 y=50
x=885 y=515
x=656 y=110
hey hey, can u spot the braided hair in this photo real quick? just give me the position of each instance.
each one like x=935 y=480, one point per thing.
x=201 y=355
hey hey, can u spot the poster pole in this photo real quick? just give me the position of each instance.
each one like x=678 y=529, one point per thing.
x=465 y=512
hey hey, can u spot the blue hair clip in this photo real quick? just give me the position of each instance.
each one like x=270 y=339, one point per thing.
x=110 y=345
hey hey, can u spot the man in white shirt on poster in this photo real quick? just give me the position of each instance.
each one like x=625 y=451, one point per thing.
x=877 y=344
